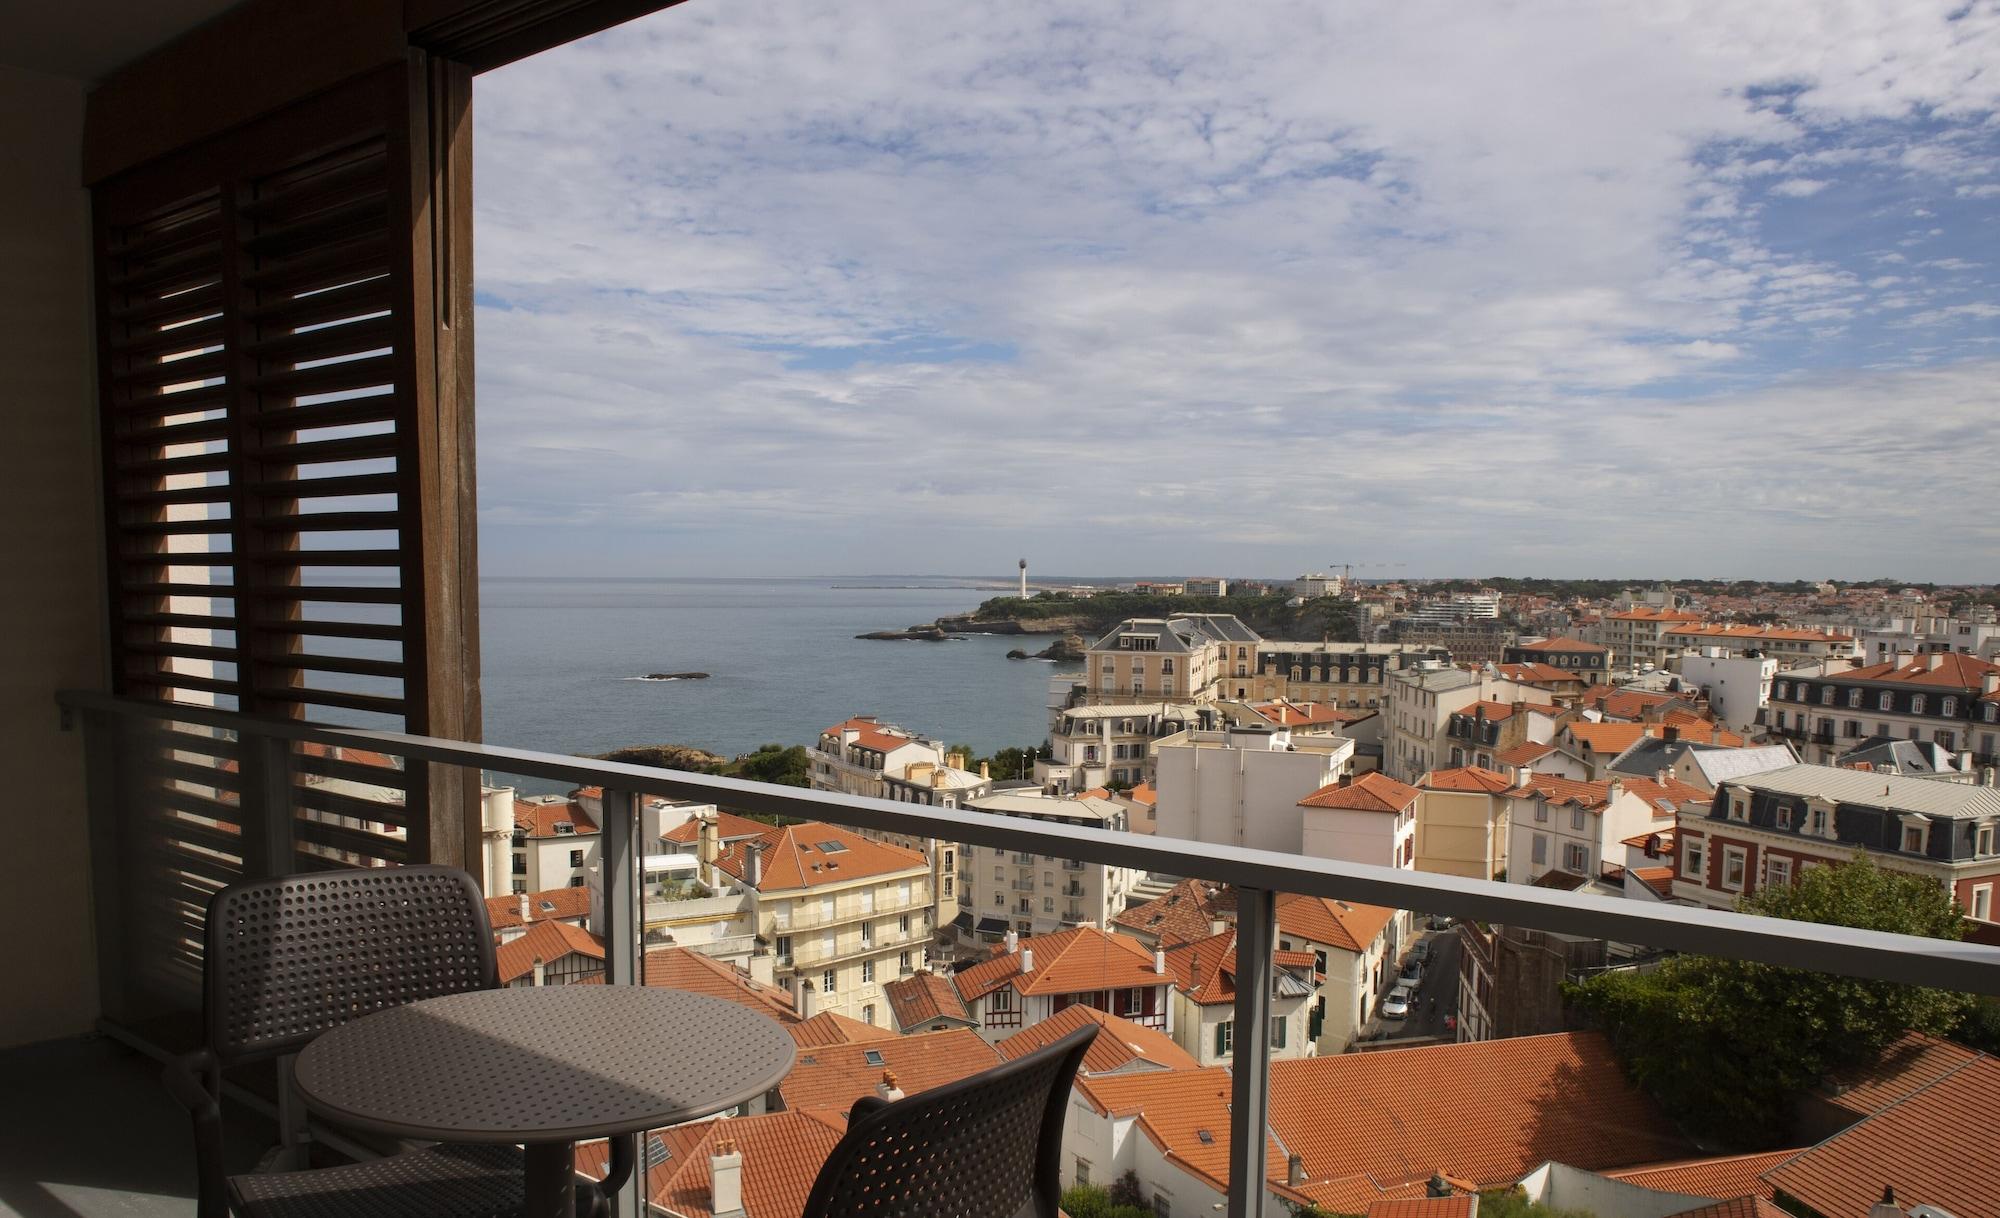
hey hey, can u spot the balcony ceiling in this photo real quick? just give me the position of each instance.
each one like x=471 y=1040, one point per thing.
x=88 y=40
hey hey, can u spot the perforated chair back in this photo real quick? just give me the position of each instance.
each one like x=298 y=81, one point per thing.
x=289 y=958
x=989 y=1146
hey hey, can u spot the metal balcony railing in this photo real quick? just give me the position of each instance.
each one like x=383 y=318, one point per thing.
x=168 y=830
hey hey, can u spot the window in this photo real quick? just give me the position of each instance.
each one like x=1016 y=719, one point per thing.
x=1277 y=1031
x=1982 y=902
x=1082 y=1171
x=1736 y=809
x=1916 y=704
x=1576 y=818
x=1319 y=962
x=1783 y=691
x=1541 y=848
x=1913 y=840
x=520 y=864
x=1576 y=857
x=999 y=899
x=1734 y=864
x=1224 y=1035
x=1826 y=695
x=1854 y=697
x=1947 y=707
x=1167 y=666
x=826 y=982
x=1541 y=812
x=1001 y=999
x=1693 y=860
x=784 y=945
x=1777 y=871
x=903 y=962
x=868 y=1013
x=576 y=881
x=1985 y=839
x=999 y=876
x=1784 y=817
x=576 y=858
x=868 y=973
x=1160 y=1206
x=1946 y=740
x=1885 y=701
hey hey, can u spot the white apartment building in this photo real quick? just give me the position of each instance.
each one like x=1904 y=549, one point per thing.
x=1241 y=785
x=1787 y=644
x=1355 y=949
x=1204 y=1000
x=1371 y=819
x=1580 y=828
x=1005 y=892
x=1110 y=745
x=1637 y=636
x=858 y=756
x=843 y=914
x=554 y=845
x=1737 y=687
x=1416 y=738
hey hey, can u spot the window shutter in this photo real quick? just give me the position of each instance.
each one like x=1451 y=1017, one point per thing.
x=286 y=455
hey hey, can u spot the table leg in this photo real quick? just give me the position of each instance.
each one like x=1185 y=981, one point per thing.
x=551 y=1180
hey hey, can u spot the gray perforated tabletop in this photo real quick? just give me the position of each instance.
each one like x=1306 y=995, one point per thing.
x=551 y=1064
x=544 y=1067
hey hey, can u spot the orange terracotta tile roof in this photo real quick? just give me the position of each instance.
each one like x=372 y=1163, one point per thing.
x=1495 y=712
x=1644 y=614
x=1592 y=796
x=682 y=968
x=782 y=1154
x=367 y=757
x=1466 y=1206
x=1185 y=911
x=1175 y=1109
x=1620 y=703
x=1638 y=841
x=1467 y=778
x=1537 y=674
x=728 y=827
x=1525 y=753
x=1562 y=644
x=548 y=942
x=1955 y=670
x=1610 y=739
x=880 y=741
x=1120 y=1043
x=1735 y=1207
x=1659 y=879
x=1067 y=962
x=539 y=819
x=859 y=723
x=795 y=856
x=549 y=905
x=1931 y=1144
x=1722 y=1178
x=833 y=1028
x=1372 y=792
x=1338 y=924
x=1666 y=796
x=1484 y=1111
x=1144 y=794
x=1903 y=1068
x=834 y=1076
x=922 y=998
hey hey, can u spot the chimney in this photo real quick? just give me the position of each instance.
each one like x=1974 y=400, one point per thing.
x=805 y=1001
x=1671 y=734
x=1886 y=1207
x=986 y=769
x=1616 y=791
x=524 y=906
x=541 y=973
x=1438 y=1186
x=707 y=840
x=1215 y=926
x=1295 y=1170
x=1660 y=776
x=887 y=1088
x=753 y=863
x=1989 y=683
x=1027 y=959
x=1159 y=962
x=725 y=1170
x=1013 y=942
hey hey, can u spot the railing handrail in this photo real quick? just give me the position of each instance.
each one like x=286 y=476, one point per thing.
x=1840 y=950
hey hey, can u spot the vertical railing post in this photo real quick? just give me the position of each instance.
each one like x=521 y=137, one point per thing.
x=104 y=769
x=622 y=857
x=269 y=840
x=1250 y=1052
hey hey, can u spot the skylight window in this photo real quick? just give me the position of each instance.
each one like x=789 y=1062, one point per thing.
x=873 y=1057
x=833 y=847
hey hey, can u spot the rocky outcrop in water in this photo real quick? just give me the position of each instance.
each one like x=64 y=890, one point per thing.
x=677 y=676
x=920 y=634
x=666 y=756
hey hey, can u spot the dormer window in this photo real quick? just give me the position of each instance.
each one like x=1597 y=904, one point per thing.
x=1737 y=809
x=1916 y=832
x=1916 y=704
x=1854 y=698
x=1947 y=707
x=1887 y=701
x=1784 y=690
x=1826 y=695
x=1985 y=839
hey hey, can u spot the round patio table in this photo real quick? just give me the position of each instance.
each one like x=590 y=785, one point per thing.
x=545 y=1067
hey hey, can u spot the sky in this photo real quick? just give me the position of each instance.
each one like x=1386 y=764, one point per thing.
x=1529 y=289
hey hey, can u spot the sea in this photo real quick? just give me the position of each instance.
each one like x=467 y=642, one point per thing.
x=564 y=663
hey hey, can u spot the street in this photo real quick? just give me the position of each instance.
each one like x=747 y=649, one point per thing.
x=1440 y=983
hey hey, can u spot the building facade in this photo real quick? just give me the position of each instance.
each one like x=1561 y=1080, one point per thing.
x=1006 y=892
x=1947 y=698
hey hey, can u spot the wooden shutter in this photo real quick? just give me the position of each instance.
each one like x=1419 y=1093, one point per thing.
x=285 y=345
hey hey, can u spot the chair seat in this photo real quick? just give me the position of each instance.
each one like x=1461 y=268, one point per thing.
x=437 y=1182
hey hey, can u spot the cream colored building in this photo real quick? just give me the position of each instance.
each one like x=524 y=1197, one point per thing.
x=844 y=915
x=1341 y=674
x=1416 y=739
x=1040 y=894
x=1176 y=659
x=1462 y=822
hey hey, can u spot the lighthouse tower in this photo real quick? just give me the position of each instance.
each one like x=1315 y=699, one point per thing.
x=1024 y=579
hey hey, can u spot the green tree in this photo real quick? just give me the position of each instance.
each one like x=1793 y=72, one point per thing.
x=1726 y=1046
x=1090 y=1201
x=773 y=763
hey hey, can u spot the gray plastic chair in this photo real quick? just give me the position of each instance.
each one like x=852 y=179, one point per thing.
x=290 y=958
x=989 y=1146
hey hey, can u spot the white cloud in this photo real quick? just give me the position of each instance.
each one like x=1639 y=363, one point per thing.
x=1325 y=265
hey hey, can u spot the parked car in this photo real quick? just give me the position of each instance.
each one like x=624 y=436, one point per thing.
x=1441 y=922
x=1397 y=1004
x=1421 y=953
x=1412 y=974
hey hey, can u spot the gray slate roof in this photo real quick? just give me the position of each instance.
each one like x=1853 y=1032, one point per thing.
x=1906 y=756
x=1892 y=792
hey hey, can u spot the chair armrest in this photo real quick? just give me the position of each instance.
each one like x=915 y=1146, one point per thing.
x=863 y=1106
x=195 y=1081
